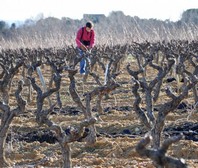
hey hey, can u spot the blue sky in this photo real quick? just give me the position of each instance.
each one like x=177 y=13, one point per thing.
x=13 y=10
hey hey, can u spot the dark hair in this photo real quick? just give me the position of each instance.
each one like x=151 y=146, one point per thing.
x=89 y=24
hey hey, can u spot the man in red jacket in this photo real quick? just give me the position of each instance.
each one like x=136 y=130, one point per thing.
x=85 y=40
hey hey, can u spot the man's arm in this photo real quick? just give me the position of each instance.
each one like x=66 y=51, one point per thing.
x=92 y=41
x=78 y=36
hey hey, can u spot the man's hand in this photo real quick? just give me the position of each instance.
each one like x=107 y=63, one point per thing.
x=89 y=49
x=82 y=47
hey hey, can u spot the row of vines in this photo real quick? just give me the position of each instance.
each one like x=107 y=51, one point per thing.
x=38 y=77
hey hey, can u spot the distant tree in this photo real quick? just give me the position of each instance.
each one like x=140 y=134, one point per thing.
x=190 y=15
x=3 y=25
x=13 y=26
x=29 y=22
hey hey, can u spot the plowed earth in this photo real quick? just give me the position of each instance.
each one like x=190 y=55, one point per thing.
x=118 y=130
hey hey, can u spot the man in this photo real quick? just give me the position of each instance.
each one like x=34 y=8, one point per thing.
x=85 y=40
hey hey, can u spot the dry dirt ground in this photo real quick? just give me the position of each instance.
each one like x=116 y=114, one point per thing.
x=118 y=132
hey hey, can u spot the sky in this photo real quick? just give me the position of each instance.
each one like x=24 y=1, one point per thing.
x=20 y=10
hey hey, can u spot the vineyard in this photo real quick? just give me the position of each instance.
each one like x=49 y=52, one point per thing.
x=136 y=107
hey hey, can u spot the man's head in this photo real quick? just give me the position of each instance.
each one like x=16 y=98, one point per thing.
x=89 y=26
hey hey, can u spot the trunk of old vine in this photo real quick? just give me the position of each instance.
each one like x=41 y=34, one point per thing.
x=3 y=134
x=156 y=137
x=3 y=162
x=5 y=96
x=66 y=152
x=91 y=138
x=157 y=130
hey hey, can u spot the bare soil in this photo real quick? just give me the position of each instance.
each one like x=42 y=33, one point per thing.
x=118 y=131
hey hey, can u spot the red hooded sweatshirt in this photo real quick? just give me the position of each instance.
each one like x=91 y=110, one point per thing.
x=86 y=36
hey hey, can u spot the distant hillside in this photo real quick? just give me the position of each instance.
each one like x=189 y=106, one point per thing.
x=117 y=28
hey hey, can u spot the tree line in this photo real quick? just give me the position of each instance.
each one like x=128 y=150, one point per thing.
x=115 y=29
